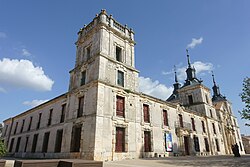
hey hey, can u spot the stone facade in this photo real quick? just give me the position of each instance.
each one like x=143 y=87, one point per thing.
x=103 y=116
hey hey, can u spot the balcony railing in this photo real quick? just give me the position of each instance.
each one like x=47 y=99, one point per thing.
x=184 y=125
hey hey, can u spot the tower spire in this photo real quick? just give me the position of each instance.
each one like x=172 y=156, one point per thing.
x=189 y=64
x=175 y=75
x=213 y=78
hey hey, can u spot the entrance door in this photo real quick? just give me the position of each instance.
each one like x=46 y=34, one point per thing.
x=186 y=145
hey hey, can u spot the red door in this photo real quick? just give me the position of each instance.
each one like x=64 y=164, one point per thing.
x=147 y=141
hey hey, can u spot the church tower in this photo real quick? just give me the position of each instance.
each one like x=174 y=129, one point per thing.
x=103 y=76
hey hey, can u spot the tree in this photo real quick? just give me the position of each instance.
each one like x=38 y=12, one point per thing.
x=245 y=98
x=3 y=149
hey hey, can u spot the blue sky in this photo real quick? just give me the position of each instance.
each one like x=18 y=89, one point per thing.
x=37 y=40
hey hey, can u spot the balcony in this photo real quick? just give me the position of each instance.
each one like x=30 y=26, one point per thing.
x=183 y=129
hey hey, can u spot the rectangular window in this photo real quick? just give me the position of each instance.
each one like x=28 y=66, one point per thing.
x=39 y=121
x=26 y=144
x=211 y=113
x=203 y=127
x=214 y=128
x=193 y=124
x=6 y=129
x=11 y=144
x=83 y=78
x=120 y=106
x=80 y=107
x=30 y=124
x=63 y=113
x=120 y=78
x=22 y=126
x=88 y=52
x=120 y=140
x=18 y=144
x=165 y=118
x=45 y=142
x=217 y=145
x=147 y=141
x=34 y=143
x=146 y=113
x=50 y=117
x=206 y=144
x=16 y=128
x=76 y=139
x=58 y=144
x=181 y=121
x=196 y=144
x=190 y=99
x=207 y=99
x=118 y=52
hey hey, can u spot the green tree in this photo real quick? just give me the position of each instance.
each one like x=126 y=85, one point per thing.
x=3 y=149
x=245 y=97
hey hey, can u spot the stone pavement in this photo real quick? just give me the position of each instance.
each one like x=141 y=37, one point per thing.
x=215 y=161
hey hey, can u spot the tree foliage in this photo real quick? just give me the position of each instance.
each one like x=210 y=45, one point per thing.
x=245 y=97
x=3 y=149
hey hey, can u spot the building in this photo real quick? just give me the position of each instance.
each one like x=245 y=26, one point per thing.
x=246 y=143
x=103 y=116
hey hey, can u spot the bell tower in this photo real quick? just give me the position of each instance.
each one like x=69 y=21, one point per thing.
x=105 y=53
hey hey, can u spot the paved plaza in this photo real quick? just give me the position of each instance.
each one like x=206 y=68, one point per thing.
x=215 y=161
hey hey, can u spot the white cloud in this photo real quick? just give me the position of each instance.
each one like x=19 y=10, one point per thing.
x=194 y=42
x=3 y=35
x=2 y=90
x=154 y=88
x=25 y=52
x=200 y=67
x=34 y=103
x=23 y=74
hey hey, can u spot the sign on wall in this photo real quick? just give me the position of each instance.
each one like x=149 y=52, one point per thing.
x=168 y=142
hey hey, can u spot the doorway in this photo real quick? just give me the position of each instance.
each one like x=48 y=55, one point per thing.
x=186 y=145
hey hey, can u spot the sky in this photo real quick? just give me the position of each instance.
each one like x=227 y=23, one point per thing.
x=37 y=48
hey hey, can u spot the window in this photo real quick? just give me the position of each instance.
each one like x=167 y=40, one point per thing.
x=120 y=78
x=193 y=124
x=207 y=99
x=165 y=118
x=39 y=121
x=83 y=78
x=118 y=53
x=22 y=126
x=206 y=144
x=180 y=120
x=6 y=129
x=50 y=117
x=18 y=144
x=63 y=113
x=217 y=145
x=120 y=106
x=120 y=140
x=80 y=107
x=196 y=144
x=26 y=143
x=76 y=139
x=30 y=123
x=11 y=144
x=211 y=113
x=88 y=52
x=214 y=128
x=45 y=142
x=16 y=128
x=190 y=99
x=203 y=127
x=147 y=141
x=33 y=149
x=58 y=144
x=146 y=113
